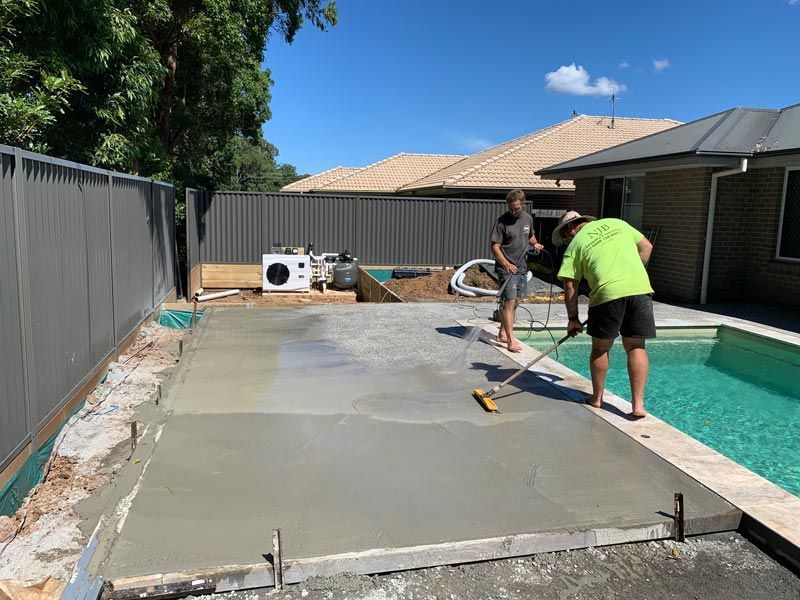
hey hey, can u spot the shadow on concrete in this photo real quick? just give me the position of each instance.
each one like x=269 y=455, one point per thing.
x=530 y=382
x=456 y=331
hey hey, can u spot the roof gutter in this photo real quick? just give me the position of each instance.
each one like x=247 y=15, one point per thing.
x=712 y=207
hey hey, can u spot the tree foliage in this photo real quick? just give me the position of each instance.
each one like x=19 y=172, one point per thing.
x=166 y=88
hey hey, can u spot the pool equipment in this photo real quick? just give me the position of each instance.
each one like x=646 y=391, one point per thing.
x=332 y=268
x=484 y=398
x=286 y=273
x=345 y=273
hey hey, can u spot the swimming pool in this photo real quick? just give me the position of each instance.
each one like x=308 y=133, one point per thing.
x=382 y=275
x=736 y=392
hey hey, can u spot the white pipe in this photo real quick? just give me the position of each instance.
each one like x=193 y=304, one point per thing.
x=216 y=295
x=712 y=207
x=457 y=287
x=478 y=291
x=454 y=283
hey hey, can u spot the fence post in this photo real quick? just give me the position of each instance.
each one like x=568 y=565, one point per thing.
x=153 y=236
x=109 y=196
x=445 y=232
x=23 y=285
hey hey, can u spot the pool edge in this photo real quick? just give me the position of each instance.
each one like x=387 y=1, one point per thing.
x=772 y=513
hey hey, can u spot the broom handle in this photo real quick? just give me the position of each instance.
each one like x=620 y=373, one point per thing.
x=535 y=360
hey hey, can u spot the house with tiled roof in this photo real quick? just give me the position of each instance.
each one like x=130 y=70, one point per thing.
x=512 y=164
x=309 y=183
x=384 y=177
x=722 y=196
x=491 y=173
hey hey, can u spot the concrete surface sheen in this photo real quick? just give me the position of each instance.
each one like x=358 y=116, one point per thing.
x=279 y=419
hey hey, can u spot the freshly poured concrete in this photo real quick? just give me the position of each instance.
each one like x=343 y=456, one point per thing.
x=348 y=436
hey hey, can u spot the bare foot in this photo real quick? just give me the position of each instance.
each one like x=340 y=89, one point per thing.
x=501 y=338
x=514 y=348
x=593 y=402
x=635 y=415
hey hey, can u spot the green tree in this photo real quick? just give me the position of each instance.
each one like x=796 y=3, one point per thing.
x=252 y=166
x=155 y=87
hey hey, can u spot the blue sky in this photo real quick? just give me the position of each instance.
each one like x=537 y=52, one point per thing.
x=457 y=76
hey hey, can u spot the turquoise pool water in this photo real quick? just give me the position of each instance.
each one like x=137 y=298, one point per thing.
x=381 y=275
x=735 y=392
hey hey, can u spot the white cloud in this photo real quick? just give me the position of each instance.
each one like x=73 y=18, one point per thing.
x=575 y=80
x=660 y=64
x=793 y=2
x=473 y=143
x=624 y=64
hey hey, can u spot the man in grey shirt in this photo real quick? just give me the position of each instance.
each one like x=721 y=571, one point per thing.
x=511 y=237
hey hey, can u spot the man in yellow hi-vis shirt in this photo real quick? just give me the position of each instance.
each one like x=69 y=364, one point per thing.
x=611 y=255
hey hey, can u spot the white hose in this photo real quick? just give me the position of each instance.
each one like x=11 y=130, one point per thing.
x=471 y=291
x=457 y=280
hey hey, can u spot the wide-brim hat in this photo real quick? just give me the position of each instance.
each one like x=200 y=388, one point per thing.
x=568 y=217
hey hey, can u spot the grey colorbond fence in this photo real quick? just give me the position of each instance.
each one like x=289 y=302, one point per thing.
x=238 y=227
x=85 y=257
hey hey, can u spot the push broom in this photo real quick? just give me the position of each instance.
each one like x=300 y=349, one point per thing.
x=485 y=398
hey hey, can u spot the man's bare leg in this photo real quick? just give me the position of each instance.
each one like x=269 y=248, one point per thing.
x=506 y=334
x=598 y=365
x=638 y=367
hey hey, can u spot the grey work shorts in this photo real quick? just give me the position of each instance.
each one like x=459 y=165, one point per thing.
x=631 y=317
x=517 y=287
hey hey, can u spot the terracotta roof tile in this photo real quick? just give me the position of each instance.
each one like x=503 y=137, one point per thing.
x=391 y=173
x=513 y=163
x=314 y=181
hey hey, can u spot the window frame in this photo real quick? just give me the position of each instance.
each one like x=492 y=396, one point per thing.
x=624 y=184
x=780 y=219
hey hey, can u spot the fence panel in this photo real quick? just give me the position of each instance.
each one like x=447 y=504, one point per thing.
x=400 y=231
x=84 y=239
x=230 y=226
x=222 y=227
x=163 y=240
x=97 y=213
x=327 y=222
x=132 y=230
x=13 y=414
x=46 y=309
x=468 y=227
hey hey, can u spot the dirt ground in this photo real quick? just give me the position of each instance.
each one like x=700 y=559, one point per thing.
x=43 y=539
x=435 y=287
x=715 y=566
x=256 y=298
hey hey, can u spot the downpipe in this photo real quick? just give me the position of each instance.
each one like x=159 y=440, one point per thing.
x=712 y=208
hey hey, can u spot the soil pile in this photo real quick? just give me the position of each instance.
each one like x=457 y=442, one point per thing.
x=436 y=287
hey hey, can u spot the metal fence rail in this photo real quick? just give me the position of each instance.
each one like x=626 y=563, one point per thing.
x=85 y=255
x=238 y=227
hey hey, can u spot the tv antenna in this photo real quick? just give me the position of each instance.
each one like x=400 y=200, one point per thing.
x=613 y=106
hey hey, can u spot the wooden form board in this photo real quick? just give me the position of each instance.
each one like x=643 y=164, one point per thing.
x=216 y=276
x=369 y=562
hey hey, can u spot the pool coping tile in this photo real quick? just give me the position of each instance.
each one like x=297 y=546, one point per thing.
x=759 y=498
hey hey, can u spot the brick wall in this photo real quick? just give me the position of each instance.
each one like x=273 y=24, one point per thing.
x=769 y=280
x=743 y=264
x=588 y=194
x=730 y=247
x=677 y=203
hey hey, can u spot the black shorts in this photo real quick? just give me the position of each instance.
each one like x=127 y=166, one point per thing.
x=631 y=317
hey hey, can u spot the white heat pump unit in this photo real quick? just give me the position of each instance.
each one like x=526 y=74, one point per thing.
x=286 y=273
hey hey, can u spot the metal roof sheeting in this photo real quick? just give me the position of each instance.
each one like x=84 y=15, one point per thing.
x=735 y=132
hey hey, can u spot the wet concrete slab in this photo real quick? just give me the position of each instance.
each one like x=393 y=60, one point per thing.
x=280 y=420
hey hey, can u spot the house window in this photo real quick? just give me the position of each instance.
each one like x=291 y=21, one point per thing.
x=623 y=198
x=789 y=232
